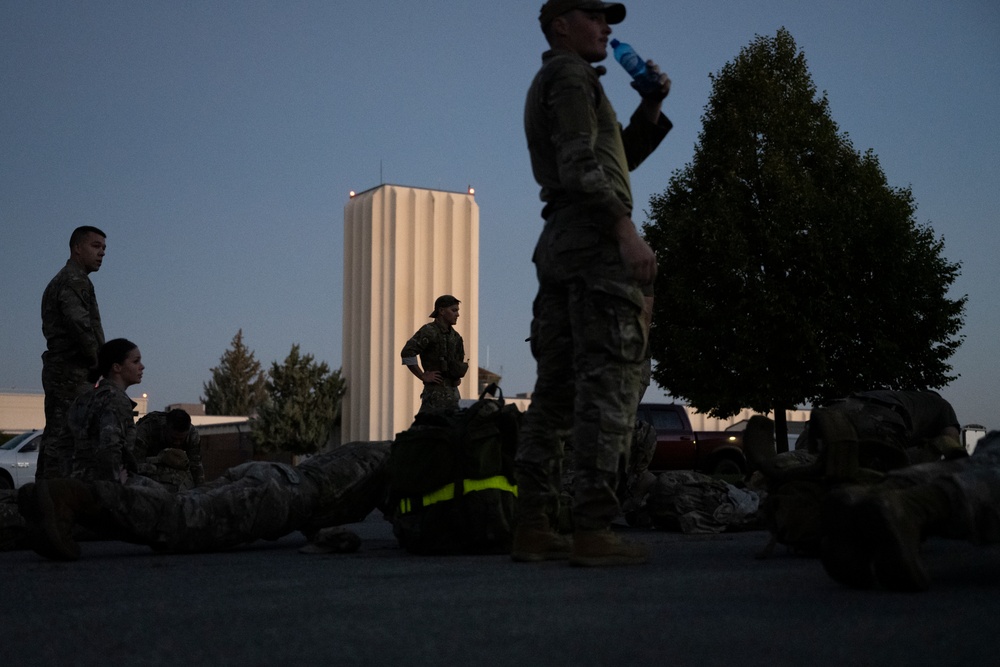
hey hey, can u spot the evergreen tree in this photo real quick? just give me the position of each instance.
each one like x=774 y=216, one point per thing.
x=790 y=272
x=237 y=384
x=302 y=407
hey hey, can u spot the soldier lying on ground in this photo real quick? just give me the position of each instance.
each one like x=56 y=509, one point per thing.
x=873 y=533
x=853 y=440
x=255 y=500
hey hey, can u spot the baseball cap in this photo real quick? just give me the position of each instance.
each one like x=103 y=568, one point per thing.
x=613 y=11
x=443 y=301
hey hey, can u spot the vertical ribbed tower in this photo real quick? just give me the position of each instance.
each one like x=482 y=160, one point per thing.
x=403 y=247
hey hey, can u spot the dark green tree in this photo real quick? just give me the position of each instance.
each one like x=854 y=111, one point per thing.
x=790 y=272
x=302 y=407
x=237 y=384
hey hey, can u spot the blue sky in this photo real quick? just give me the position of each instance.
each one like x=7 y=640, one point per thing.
x=216 y=143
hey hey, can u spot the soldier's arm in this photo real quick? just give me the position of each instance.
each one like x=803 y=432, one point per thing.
x=410 y=355
x=571 y=104
x=111 y=444
x=194 y=457
x=74 y=302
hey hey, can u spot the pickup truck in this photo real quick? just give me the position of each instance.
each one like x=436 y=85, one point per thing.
x=679 y=447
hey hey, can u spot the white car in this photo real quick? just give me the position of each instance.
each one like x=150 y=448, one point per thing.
x=18 y=459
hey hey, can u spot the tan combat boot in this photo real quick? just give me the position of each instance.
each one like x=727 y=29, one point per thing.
x=874 y=535
x=55 y=506
x=598 y=548
x=896 y=522
x=537 y=543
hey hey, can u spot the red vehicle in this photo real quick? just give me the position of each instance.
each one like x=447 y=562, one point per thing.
x=679 y=447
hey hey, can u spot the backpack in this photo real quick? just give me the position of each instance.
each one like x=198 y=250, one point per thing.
x=451 y=479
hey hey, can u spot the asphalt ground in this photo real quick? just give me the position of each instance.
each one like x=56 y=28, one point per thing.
x=702 y=600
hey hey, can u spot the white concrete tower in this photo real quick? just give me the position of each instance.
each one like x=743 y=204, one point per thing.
x=403 y=247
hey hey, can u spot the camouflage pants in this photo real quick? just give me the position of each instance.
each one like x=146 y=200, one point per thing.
x=589 y=343
x=973 y=488
x=255 y=500
x=439 y=398
x=62 y=383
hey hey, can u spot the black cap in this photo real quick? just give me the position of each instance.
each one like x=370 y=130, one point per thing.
x=443 y=301
x=613 y=11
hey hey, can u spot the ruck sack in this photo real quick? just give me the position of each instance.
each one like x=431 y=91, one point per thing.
x=451 y=479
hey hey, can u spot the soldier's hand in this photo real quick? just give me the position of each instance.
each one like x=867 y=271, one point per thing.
x=639 y=258
x=174 y=458
x=433 y=377
x=658 y=94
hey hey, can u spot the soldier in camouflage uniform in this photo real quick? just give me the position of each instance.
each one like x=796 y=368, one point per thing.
x=71 y=323
x=255 y=500
x=179 y=469
x=873 y=533
x=587 y=333
x=441 y=351
x=102 y=419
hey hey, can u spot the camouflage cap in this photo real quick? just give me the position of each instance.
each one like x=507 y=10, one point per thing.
x=613 y=11
x=443 y=301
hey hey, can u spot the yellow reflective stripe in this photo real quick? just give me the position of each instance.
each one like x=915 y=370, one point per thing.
x=498 y=482
x=447 y=492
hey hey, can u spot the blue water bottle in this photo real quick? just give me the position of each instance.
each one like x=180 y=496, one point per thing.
x=645 y=79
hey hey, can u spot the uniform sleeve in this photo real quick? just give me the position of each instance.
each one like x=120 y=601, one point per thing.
x=75 y=300
x=142 y=439
x=194 y=457
x=112 y=443
x=461 y=367
x=641 y=137
x=417 y=344
x=570 y=101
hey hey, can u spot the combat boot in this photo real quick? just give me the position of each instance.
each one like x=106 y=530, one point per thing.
x=896 y=521
x=537 y=543
x=597 y=548
x=846 y=553
x=57 y=505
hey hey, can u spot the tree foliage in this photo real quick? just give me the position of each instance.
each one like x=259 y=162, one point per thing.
x=790 y=271
x=237 y=384
x=302 y=406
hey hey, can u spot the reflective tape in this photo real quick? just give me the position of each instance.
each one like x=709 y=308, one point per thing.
x=447 y=492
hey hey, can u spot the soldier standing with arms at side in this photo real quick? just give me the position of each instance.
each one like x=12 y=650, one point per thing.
x=73 y=333
x=442 y=352
x=587 y=333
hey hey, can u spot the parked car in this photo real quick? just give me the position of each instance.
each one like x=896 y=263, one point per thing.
x=680 y=447
x=18 y=460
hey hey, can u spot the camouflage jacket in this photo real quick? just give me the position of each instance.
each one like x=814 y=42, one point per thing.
x=103 y=428
x=579 y=152
x=152 y=436
x=440 y=349
x=71 y=321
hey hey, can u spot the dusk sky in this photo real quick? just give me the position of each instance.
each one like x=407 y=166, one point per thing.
x=216 y=143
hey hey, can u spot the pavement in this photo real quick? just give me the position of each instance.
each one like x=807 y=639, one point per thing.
x=702 y=600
